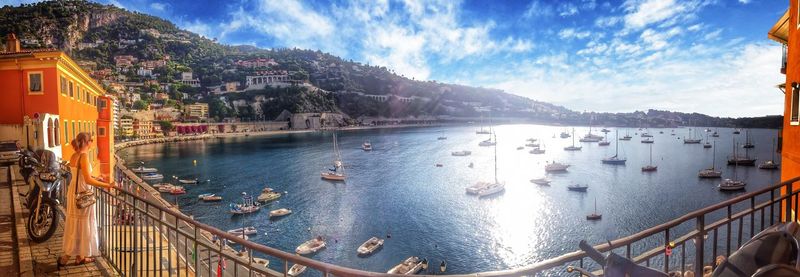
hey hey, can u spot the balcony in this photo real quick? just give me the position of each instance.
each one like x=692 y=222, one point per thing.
x=143 y=235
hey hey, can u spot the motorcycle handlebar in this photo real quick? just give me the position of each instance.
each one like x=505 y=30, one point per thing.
x=592 y=253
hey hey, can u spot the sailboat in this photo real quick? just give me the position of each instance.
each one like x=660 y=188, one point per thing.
x=564 y=134
x=442 y=137
x=771 y=163
x=627 y=136
x=537 y=150
x=594 y=215
x=692 y=140
x=488 y=142
x=650 y=167
x=573 y=147
x=337 y=172
x=748 y=143
x=485 y=188
x=732 y=184
x=707 y=144
x=736 y=132
x=746 y=160
x=711 y=172
x=591 y=137
x=482 y=130
x=615 y=159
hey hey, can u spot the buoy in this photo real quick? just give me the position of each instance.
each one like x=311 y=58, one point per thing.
x=194 y=162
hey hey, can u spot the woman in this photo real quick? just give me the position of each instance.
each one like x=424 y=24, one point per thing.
x=80 y=229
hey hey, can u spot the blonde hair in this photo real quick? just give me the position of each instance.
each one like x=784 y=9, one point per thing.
x=81 y=141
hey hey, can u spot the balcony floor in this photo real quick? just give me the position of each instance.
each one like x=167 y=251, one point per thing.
x=21 y=257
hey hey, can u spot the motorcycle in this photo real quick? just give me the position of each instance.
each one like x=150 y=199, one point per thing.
x=773 y=252
x=48 y=176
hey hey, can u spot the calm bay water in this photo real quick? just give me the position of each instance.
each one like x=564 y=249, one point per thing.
x=396 y=189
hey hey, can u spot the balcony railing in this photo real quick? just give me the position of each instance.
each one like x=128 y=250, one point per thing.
x=143 y=235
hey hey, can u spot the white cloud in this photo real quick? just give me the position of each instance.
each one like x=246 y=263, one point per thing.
x=570 y=33
x=198 y=27
x=745 y=1
x=158 y=6
x=567 y=9
x=642 y=13
x=537 y=9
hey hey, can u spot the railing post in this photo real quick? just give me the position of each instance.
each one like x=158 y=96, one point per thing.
x=788 y=206
x=699 y=246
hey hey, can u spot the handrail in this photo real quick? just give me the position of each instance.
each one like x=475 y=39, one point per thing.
x=532 y=268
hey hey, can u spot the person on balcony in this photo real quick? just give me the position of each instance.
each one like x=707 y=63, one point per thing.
x=80 y=238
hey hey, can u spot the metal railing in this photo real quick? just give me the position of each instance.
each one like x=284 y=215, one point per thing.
x=143 y=235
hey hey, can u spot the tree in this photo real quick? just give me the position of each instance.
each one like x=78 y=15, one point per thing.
x=139 y=105
x=166 y=126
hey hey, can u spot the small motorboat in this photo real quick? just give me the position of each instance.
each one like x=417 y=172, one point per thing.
x=715 y=134
x=212 y=198
x=409 y=266
x=604 y=143
x=541 y=181
x=152 y=176
x=487 y=142
x=333 y=176
x=768 y=165
x=245 y=237
x=604 y=130
x=279 y=212
x=736 y=132
x=533 y=145
x=731 y=185
x=493 y=188
x=537 y=151
x=311 y=246
x=648 y=140
x=461 y=153
x=709 y=173
x=204 y=195
x=370 y=246
x=165 y=188
x=439 y=165
x=572 y=148
x=188 y=181
x=531 y=139
x=249 y=230
x=646 y=135
x=649 y=168
x=707 y=145
x=177 y=191
x=520 y=148
x=142 y=169
x=594 y=215
x=156 y=186
x=267 y=195
x=443 y=266
x=441 y=138
x=262 y=262
x=296 y=270
x=578 y=187
x=366 y=146
x=477 y=187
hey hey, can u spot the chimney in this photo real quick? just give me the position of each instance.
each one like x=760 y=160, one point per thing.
x=12 y=43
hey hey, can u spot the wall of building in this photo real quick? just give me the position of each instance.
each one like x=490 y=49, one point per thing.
x=790 y=152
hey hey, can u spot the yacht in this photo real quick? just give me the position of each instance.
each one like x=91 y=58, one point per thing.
x=739 y=160
x=188 y=181
x=770 y=164
x=748 y=143
x=541 y=181
x=212 y=198
x=249 y=230
x=615 y=159
x=247 y=206
x=487 y=189
x=711 y=172
x=594 y=215
x=627 y=136
x=573 y=147
x=370 y=246
x=555 y=167
x=279 y=212
x=536 y=151
x=152 y=176
x=604 y=143
x=692 y=140
x=409 y=266
x=648 y=140
x=461 y=153
x=311 y=246
x=578 y=187
x=366 y=146
x=732 y=185
x=267 y=195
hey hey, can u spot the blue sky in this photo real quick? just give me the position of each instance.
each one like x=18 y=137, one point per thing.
x=709 y=56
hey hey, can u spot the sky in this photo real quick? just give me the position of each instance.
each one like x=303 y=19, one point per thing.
x=707 y=56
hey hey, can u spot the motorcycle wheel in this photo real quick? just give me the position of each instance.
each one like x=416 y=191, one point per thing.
x=42 y=228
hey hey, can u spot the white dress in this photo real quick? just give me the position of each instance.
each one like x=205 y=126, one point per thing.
x=80 y=229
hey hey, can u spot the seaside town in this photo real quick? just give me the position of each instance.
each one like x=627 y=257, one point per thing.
x=132 y=147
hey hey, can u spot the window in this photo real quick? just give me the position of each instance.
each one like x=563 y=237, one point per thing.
x=102 y=103
x=50 y=134
x=70 y=89
x=78 y=92
x=56 y=133
x=74 y=134
x=101 y=132
x=64 y=86
x=66 y=132
x=86 y=99
x=35 y=83
x=793 y=120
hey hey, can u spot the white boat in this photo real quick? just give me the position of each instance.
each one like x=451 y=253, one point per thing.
x=311 y=246
x=731 y=185
x=650 y=167
x=409 y=266
x=188 y=181
x=156 y=186
x=370 y=246
x=165 y=188
x=204 y=195
x=646 y=135
x=486 y=188
x=573 y=147
x=537 y=151
x=337 y=172
x=711 y=172
x=482 y=130
x=648 y=140
x=487 y=142
x=245 y=237
x=142 y=169
x=152 y=176
x=296 y=270
x=366 y=146
x=477 y=187
x=555 y=167
x=279 y=212
x=267 y=195
x=247 y=206
x=541 y=181
x=212 y=198
x=261 y=262
x=615 y=159
x=770 y=164
x=249 y=230
x=461 y=153
x=491 y=189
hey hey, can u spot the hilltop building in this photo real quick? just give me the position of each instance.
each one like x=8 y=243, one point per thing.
x=48 y=99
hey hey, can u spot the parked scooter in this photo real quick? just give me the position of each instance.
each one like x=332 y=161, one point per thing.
x=48 y=176
x=772 y=252
x=614 y=265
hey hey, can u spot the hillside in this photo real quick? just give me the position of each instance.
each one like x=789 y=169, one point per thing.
x=141 y=58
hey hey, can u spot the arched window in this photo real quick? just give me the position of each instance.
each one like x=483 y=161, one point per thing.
x=50 y=133
x=56 y=133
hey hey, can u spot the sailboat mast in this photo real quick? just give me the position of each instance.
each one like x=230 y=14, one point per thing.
x=735 y=159
x=495 y=159
x=651 y=154
x=773 y=150
x=616 y=147
x=714 y=156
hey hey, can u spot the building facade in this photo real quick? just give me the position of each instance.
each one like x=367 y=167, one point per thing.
x=197 y=110
x=47 y=99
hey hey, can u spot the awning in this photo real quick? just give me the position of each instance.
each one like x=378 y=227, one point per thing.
x=780 y=31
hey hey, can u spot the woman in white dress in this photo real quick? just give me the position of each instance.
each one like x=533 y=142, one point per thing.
x=80 y=228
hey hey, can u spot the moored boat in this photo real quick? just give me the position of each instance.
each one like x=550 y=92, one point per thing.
x=142 y=169
x=267 y=195
x=731 y=185
x=491 y=189
x=367 y=146
x=555 y=167
x=461 y=153
x=279 y=212
x=410 y=265
x=204 y=195
x=595 y=215
x=648 y=140
x=311 y=246
x=370 y=246
x=188 y=181
x=296 y=270
x=212 y=198
x=152 y=176
x=541 y=181
x=177 y=191
x=578 y=187
x=249 y=230
x=537 y=151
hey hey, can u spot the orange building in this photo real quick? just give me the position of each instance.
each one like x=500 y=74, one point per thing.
x=46 y=99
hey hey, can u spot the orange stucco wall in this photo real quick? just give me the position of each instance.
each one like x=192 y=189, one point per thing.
x=18 y=102
x=790 y=152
